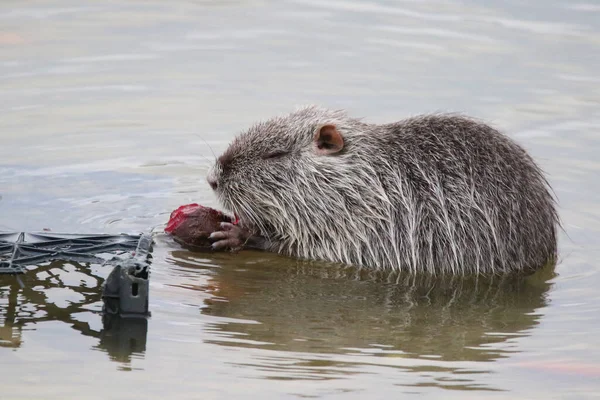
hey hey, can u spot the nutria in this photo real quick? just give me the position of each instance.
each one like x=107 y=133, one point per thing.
x=434 y=193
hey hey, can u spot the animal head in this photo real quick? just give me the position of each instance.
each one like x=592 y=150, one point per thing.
x=291 y=173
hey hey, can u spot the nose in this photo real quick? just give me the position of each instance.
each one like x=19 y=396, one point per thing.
x=212 y=179
x=212 y=182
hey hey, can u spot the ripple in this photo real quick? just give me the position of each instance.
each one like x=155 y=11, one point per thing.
x=363 y=7
x=446 y=34
x=585 y=7
x=112 y=58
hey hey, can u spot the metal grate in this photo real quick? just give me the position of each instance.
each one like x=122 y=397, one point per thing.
x=19 y=250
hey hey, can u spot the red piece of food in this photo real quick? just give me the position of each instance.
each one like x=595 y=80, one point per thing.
x=192 y=224
x=179 y=215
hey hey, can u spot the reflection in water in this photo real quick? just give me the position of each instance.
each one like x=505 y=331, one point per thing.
x=307 y=307
x=61 y=291
x=122 y=337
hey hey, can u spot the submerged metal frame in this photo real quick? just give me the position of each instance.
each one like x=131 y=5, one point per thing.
x=124 y=293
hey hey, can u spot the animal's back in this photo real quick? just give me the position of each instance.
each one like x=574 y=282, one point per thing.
x=466 y=198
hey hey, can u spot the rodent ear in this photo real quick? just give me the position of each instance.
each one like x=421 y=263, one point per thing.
x=328 y=140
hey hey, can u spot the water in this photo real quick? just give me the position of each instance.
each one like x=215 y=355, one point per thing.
x=108 y=114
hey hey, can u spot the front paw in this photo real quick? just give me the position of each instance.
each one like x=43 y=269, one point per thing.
x=230 y=237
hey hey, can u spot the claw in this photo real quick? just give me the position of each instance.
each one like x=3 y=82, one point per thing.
x=217 y=235
x=219 y=245
x=231 y=236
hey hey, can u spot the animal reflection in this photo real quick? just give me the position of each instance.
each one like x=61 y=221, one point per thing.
x=314 y=308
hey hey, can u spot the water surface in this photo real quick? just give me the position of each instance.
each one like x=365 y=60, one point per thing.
x=109 y=116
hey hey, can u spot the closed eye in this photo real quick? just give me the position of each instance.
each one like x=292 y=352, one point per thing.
x=276 y=154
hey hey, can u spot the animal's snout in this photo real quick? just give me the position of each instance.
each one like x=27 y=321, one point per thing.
x=213 y=183
x=212 y=180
